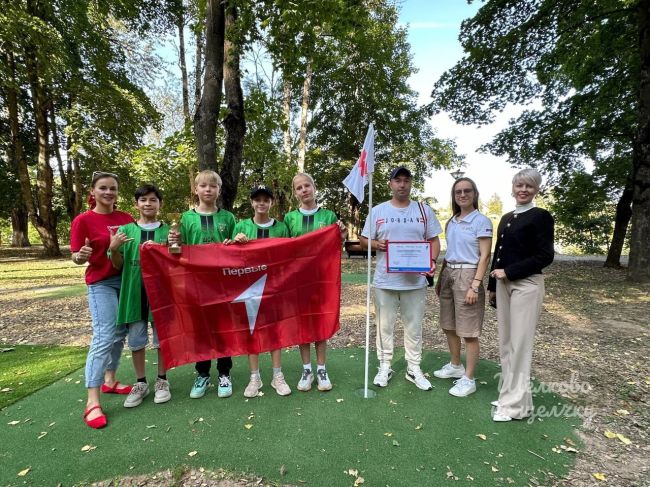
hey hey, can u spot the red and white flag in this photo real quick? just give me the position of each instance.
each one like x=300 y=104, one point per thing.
x=218 y=300
x=358 y=178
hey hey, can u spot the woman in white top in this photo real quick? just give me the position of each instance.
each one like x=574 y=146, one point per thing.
x=460 y=285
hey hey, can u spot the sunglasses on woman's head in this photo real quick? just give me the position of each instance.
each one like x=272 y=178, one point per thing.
x=102 y=174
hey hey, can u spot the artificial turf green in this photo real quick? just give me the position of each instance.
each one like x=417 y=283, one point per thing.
x=25 y=369
x=404 y=436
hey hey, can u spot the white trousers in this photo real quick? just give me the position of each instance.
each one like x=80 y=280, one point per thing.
x=519 y=304
x=411 y=305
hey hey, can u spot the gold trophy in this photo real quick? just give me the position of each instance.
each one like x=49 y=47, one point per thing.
x=174 y=218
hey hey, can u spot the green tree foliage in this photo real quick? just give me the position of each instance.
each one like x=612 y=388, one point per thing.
x=264 y=161
x=169 y=166
x=495 y=205
x=98 y=76
x=579 y=60
x=359 y=58
x=586 y=212
x=73 y=58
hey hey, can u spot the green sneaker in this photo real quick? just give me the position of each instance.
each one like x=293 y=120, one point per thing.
x=225 y=386
x=200 y=386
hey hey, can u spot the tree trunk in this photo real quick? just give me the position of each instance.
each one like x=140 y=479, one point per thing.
x=19 y=226
x=621 y=221
x=181 y=57
x=207 y=113
x=40 y=211
x=74 y=172
x=18 y=152
x=186 y=91
x=234 y=121
x=286 y=109
x=639 y=266
x=198 y=69
x=65 y=176
x=302 y=145
x=45 y=219
x=77 y=187
x=281 y=205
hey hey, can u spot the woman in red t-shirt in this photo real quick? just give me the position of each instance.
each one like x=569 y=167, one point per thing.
x=90 y=236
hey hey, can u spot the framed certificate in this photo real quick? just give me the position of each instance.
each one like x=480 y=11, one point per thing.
x=408 y=256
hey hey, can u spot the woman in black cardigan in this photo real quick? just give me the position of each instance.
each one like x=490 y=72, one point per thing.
x=524 y=247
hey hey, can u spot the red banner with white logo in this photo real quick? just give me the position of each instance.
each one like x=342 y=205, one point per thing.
x=218 y=300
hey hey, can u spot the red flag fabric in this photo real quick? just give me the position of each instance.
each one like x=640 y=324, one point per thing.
x=218 y=300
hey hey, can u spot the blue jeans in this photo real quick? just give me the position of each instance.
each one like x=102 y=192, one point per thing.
x=107 y=341
x=139 y=337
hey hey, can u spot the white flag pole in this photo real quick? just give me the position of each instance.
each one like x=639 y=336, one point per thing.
x=365 y=390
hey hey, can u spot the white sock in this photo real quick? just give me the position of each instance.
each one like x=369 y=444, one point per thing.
x=320 y=367
x=306 y=366
x=277 y=371
x=459 y=366
x=255 y=373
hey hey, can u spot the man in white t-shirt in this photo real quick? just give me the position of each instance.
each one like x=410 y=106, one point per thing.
x=401 y=219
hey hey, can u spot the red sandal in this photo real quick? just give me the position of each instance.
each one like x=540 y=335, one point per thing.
x=116 y=389
x=98 y=422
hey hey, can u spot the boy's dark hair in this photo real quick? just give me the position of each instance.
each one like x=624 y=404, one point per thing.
x=145 y=189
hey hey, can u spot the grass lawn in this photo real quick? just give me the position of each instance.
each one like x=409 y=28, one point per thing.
x=62 y=292
x=402 y=437
x=25 y=369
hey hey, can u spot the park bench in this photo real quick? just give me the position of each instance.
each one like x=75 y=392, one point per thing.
x=353 y=248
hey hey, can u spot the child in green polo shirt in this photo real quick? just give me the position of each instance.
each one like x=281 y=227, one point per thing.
x=262 y=226
x=309 y=217
x=133 y=310
x=207 y=223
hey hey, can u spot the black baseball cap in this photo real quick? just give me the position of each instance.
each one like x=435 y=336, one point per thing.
x=259 y=189
x=400 y=171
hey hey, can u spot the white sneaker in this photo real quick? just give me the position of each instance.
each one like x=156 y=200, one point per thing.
x=463 y=387
x=280 y=385
x=254 y=386
x=450 y=371
x=225 y=386
x=323 y=380
x=415 y=375
x=139 y=391
x=162 y=393
x=305 y=380
x=384 y=374
x=501 y=418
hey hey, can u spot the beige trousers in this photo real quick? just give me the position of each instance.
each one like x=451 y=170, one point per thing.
x=519 y=304
x=411 y=305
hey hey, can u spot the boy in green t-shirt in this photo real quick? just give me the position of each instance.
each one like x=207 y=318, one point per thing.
x=133 y=310
x=262 y=226
x=206 y=223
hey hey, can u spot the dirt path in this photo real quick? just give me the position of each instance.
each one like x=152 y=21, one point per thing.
x=591 y=346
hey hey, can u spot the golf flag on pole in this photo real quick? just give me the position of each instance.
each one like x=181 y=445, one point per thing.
x=358 y=177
